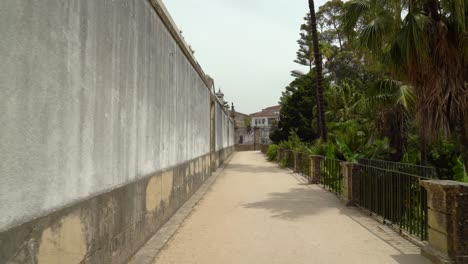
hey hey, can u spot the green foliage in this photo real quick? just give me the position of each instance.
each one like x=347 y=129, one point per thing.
x=283 y=145
x=379 y=149
x=376 y=149
x=330 y=150
x=297 y=110
x=445 y=157
x=389 y=92
x=317 y=148
x=284 y=161
x=412 y=153
x=412 y=42
x=305 y=55
x=330 y=22
x=248 y=121
x=294 y=143
x=382 y=98
x=459 y=170
x=272 y=152
x=347 y=153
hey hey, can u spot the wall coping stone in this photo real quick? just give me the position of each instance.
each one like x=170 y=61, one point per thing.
x=166 y=18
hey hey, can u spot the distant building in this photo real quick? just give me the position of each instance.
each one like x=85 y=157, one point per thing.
x=267 y=117
x=244 y=133
x=249 y=135
x=263 y=122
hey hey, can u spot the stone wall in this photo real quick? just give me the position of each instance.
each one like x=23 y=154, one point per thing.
x=105 y=132
x=224 y=129
x=250 y=147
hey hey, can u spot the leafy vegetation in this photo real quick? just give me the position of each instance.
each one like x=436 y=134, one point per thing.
x=394 y=85
x=272 y=152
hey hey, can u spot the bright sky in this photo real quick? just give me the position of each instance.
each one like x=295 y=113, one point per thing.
x=247 y=46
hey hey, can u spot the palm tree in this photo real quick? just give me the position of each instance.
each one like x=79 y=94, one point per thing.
x=359 y=116
x=394 y=102
x=318 y=70
x=427 y=49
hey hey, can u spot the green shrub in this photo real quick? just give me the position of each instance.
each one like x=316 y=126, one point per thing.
x=459 y=171
x=272 y=152
x=284 y=161
x=443 y=155
x=294 y=143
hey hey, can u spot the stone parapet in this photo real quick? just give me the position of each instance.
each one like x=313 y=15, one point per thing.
x=315 y=169
x=350 y=178
x=297 y=162
x=447 y=212
x=280 y=155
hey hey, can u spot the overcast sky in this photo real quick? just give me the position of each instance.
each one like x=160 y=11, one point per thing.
x=247 y=46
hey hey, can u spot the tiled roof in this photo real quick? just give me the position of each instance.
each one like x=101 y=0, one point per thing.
x=239 y=114
x=272 y=111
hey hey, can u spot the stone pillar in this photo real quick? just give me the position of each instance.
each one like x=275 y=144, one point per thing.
x=280 y=155
x=350 y=175
x=447 y=212
x=297 y=162
x=315 y=169
x=287 y=156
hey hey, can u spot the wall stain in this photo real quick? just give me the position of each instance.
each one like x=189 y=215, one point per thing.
x=167 y=182
x=153 y=193
x=63 y=244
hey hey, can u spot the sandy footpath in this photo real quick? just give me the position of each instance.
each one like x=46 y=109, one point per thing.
x=257 y=213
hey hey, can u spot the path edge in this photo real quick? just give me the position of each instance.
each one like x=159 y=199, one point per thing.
x=148 y=253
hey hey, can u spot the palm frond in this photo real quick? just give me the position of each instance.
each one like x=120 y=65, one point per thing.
x=354 y=10
x=406 y=97
x=413 y=38
x=456 y=11
x=390 y=92
x=372 y=35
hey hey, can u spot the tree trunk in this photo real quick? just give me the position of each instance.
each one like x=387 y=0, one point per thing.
x=423 y=149
x=318 y=70
x=339 y=36
x=432 y=7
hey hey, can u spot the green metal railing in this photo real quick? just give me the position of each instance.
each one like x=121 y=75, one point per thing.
x=331 y=176
x=290 y=160
x=423 y=171
x=394 y=196
x=302 y=164
x=391 y=191
x=305 y=165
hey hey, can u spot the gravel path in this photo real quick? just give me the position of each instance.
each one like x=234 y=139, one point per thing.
x=258 y=213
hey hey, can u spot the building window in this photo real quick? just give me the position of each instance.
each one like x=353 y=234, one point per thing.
x=259 y=122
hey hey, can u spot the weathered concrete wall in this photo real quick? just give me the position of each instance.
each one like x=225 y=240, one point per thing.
x=224 y=129
x=97 y=98
x=107 y=228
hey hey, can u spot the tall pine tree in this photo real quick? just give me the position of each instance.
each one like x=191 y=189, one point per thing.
x=308 y=53
x=318 y=72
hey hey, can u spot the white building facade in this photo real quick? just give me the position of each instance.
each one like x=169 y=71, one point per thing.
x=263 y=122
